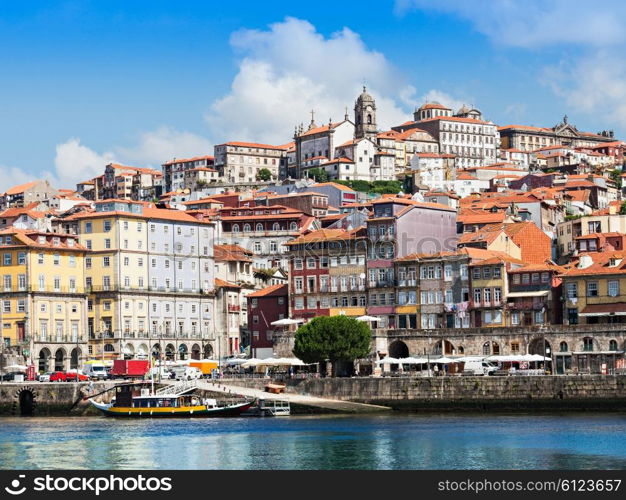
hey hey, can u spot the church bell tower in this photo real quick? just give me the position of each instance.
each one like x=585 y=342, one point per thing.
x=365 y=116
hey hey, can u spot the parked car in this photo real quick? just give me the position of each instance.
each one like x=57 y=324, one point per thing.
x=57 y=377
x=44 y=377
x=75 y=376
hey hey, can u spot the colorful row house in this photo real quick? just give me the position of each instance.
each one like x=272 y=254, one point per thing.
x=44 y=301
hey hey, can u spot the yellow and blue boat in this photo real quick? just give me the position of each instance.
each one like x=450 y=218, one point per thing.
x=169 y=401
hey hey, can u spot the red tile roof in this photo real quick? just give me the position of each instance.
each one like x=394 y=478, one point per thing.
x=271 y=291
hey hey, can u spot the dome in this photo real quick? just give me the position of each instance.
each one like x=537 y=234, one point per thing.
x=365 y=96
x=463 y=110
x=433 y=105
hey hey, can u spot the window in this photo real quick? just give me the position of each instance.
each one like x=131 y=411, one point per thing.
x=571 y=290
x=106 y=261
x=447 y=271
x=563 y=347
x=88 y=227
x=310 y=263
x=107 y=226
x=297 y=264
x=487 y=273
x=40 y=258
x=587 y=344
x=7 y=283
x=496 y=272
x=592 y=289
x=476 y=273
x=613 y=287
x=21 y=258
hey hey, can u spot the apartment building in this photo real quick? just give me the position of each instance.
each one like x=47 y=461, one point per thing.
x=241 y=162
x=44 y=302
x=150 y=278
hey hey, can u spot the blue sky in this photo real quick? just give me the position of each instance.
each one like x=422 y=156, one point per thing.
x=85 y=82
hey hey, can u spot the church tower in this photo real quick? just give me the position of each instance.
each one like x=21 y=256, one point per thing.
x=365 y=116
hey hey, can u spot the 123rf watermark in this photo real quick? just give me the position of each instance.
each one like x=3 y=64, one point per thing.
x=95 y=485
x=560 y=485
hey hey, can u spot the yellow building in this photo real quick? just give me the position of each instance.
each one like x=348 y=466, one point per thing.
x=489 y=284
x=595 y=290
x=44 y=302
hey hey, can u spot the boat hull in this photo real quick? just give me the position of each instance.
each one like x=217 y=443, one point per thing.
x=180 y=412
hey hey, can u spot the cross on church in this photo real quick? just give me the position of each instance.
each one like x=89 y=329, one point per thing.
x=312 y=115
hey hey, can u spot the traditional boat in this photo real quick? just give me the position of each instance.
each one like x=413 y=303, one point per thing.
x=169 y=401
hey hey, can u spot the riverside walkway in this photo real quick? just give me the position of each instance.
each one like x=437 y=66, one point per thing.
x=294 y=399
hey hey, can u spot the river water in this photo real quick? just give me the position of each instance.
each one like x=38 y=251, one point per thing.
x=399 y=441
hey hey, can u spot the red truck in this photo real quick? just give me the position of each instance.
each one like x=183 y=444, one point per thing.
x=130 y=368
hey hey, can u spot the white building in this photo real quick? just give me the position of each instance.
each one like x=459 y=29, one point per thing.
x=241 y=162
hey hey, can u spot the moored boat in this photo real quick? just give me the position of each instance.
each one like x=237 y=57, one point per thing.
x=169 y=401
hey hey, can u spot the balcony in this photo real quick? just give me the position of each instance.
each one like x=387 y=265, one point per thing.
x=233 y=308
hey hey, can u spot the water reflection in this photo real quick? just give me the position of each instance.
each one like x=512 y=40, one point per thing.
x=596 y=441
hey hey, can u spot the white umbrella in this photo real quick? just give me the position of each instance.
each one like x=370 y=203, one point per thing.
x=414 y=361
x=388 y=361
x=369 y=319
x=286 y=322
x=249 y=363
x=15 y=368
x=536 y=357
x=444 y=361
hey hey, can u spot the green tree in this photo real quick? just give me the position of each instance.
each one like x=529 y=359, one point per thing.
x=334 y=338
x=264 y=175
x=616 y=176
x=318 y=174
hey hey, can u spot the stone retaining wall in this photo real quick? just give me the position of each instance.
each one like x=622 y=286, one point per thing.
x=509 y=392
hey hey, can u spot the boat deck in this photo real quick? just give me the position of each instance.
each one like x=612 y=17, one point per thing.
x=333 y=405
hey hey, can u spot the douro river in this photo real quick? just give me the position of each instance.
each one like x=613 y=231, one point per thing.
x=402 y=441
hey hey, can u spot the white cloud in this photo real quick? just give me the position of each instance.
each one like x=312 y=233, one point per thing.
x=595 y=84
x=290 y=69
x=158 y=146
x=75 y=162
x=12 y=176
x=445 y=99
x=535 y=23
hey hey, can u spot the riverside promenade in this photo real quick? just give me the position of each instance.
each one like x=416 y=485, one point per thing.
x=363 y=394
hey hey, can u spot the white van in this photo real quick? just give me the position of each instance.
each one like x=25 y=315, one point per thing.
x=95 y=371
x=479 y=367
x=187 y=372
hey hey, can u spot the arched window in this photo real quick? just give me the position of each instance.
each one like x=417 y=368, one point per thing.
x=246 y=228
x=276 y=226
x=486 y=349
x=235 y=228
x=259 y=227
x=369 y=119
x=563 y=347
x=293 y=226
x=613 y=345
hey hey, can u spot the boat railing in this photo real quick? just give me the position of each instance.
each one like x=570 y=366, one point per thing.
x=177 y=389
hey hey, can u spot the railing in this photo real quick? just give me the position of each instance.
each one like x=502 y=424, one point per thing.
x=65 y=339
x=177 y=389
x=233 y=308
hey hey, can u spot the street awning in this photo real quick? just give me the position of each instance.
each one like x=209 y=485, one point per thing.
x=615 y=309
x=540 y=293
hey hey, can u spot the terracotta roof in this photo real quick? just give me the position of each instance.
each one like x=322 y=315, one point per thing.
x=433 y=105
x=31 y=239
x=481 y=217
x=186 y=160
x=225 y=284
x=457 y=119
x=318 y=130
x=231 y=253
x=526 y=127
x=271 y=291
x=253 y=145
x=21 y=188
x=325 y=235
x=334 y=184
